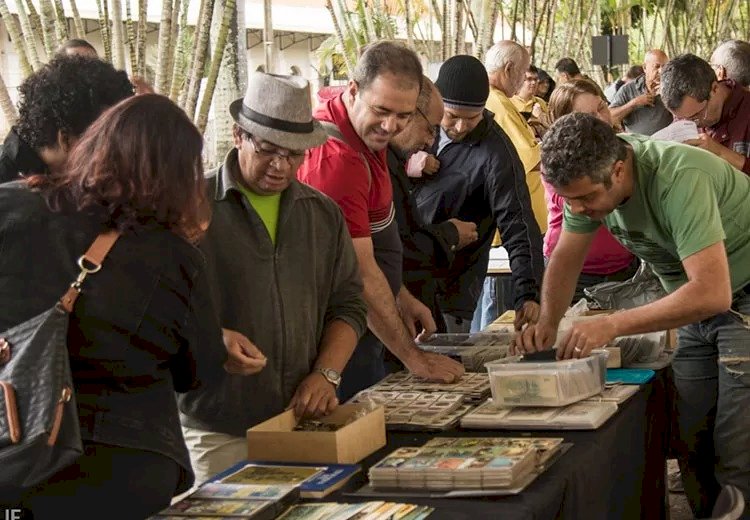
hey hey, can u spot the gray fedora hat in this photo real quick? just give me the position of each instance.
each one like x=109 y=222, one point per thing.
x=278 y=109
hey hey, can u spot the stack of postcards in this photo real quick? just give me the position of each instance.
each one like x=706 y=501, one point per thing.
x=417 y=410
x=464 y=463
x=475 y=387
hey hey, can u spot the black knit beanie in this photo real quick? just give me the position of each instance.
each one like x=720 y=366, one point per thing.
x=463 y=82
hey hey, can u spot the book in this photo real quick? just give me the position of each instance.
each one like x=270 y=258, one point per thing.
x=584 y=415
x=323 y=479
x=219 y=508
x=272 y=474
x=229 y=491
x=379 y=510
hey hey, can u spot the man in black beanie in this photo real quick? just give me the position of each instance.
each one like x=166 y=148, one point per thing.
x=480 y=180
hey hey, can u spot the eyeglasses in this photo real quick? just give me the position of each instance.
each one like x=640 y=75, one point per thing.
x=700 y=115
x=433 y=128
x=265 y=150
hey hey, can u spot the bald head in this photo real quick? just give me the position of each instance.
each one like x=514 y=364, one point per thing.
x=652 y=64
x=506 y=63
x=421 y=129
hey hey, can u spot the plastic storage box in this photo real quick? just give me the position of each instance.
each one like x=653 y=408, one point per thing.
x=473 y=350
x=554 y=383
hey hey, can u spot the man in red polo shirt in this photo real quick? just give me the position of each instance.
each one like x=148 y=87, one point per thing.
x=351 y=168
x=690 y=91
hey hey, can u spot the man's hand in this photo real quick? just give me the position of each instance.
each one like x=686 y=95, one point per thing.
x=315 y=396
x=585 y=336
x=537 y=111
x=707 y=143
x=434 y=367
x=644 y=100
x=535 y=337
x=467 y=232
x=414 y=312
x=431 y=165
x=244 y=357
x=527 y=315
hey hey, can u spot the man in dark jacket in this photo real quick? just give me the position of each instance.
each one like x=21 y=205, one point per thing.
x=58 y=102
x=283 y=272
x=481 y=180
x=426 y=247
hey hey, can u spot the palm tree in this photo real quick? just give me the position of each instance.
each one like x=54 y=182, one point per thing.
x=200 y=50
x=213 y=72
x=48 y=19
x=28 y=36
x=162 y=60
x=118 y=36
x=6 y=105
x=77 y=22
x=11 y=25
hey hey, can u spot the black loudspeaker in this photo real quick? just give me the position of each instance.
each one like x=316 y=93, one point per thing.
x=609 y=50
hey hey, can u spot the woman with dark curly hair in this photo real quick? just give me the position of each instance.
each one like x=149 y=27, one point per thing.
x=57 y=103
x=144 y=326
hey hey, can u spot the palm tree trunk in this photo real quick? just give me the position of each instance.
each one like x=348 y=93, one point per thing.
x=140 y=45
x=408 y=21
x=6 y=104
x=228 y=86
x=28 y=36
x=103 y=9
x=35 y=21
x=14 y=31
x=118 y=36
x=174 y=34
x=199 y=64
x=162 y=60
x=459 y=32
x=77 y=21
x=340 y=37
x=372 y=34
x=213 y=73
x=47 y=12
x=444 y=50
x=182 y=98
x=130 y=28
x=61 y=27
x=537 y=28
x=181 y=59
x=343 y=14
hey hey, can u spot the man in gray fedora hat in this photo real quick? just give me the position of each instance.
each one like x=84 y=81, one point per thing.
x=283 y=273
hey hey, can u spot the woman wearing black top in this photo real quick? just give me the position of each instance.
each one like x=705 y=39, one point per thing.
x=144 y=326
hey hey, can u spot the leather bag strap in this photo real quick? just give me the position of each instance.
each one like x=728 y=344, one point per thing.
x=90 y=263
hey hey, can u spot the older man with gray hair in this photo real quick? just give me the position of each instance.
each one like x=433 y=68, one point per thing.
x=506 y=63
x=731 y=60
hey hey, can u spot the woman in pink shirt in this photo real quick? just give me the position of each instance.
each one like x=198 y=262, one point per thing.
x=607 y=260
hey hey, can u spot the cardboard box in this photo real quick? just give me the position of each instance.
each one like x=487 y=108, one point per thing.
x=276 y=441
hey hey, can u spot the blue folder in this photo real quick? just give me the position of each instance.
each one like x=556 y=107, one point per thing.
x=630 y=376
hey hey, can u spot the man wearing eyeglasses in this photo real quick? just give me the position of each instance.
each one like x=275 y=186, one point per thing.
x=721 y=109
x=427 y=247
x=283 y=273
x=351 y=168
x=480 y=180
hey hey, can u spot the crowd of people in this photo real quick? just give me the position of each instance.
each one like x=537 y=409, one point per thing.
x=312 y=260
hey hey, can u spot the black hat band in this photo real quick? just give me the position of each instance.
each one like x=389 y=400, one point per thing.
x=277 y=124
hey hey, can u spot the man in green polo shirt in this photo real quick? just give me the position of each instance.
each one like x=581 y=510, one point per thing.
x=685 y=212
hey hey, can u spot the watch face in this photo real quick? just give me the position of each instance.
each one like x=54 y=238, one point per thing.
x=331 y=375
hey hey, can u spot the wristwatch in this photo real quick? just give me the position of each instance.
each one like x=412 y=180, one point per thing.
x=331 y=376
